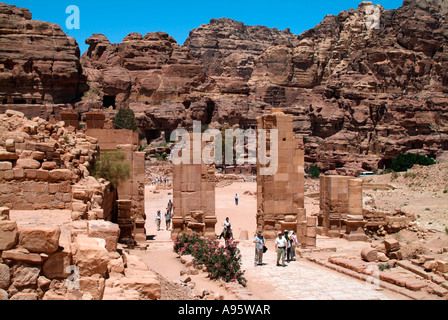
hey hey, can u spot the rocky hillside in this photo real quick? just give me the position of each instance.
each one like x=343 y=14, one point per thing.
x=359 y=97
x=39 y=63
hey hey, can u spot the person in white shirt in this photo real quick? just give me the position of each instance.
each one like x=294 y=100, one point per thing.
x=226 y=224
x=158 y=219
x=280 y=247
x=237 y=198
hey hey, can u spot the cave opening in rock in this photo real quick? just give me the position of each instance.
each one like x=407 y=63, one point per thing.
x=5 y=101
x=109 y=101
x=152 y=135
x=19 y=101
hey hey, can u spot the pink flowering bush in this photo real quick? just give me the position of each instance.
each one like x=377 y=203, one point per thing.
x=221 y=262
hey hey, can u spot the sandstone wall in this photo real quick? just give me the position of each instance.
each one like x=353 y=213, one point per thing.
x=40 y=161
x=78 y=261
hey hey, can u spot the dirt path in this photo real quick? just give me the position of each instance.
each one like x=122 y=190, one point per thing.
x=300 y=280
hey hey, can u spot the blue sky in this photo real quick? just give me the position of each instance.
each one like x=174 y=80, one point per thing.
x=118 y=18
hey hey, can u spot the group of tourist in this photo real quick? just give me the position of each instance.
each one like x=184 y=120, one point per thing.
x=168 y=216
x=285 y=246
x=159 y=180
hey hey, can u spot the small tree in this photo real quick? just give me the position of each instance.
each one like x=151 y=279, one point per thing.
x=112 y=167
x=125 y=119
x=313 y=171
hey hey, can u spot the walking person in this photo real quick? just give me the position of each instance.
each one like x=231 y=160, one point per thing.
x=170 y=206
x=237 y=199
x=280 y=247
x=288 y=246
x=294 y=244
x=158 y=219
x=260 y=242
x=168 y=216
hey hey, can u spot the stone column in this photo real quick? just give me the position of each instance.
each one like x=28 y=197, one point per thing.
x=355 y=219
x=194 y=197
x=280 y=196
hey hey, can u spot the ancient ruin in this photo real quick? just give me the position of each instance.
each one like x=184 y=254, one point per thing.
x=280 y=197
x=345 y=101
x=341 y=208
x=193 y=196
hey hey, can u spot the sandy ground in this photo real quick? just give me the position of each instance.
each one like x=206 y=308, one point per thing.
x=161 y=258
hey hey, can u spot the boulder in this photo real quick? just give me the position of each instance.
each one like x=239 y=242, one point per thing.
x=40 y=239
x=106 y=230
x=93 y=285
x=391 y=245
x=8 y=235
x=145 y=282
x=57 y=266
x=28 y=164
x=60 y=175
x=5 y=276
x=90 y=255
x=24 y=276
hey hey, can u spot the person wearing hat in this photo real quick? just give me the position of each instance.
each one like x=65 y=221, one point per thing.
x=280 y=247
x=260 y=242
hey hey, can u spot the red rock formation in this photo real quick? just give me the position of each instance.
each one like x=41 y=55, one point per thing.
x=39 y=63
x=359 y=97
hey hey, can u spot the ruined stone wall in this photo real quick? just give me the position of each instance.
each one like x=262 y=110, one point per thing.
x=132 y=189
x=40 y=161
x=69 y=262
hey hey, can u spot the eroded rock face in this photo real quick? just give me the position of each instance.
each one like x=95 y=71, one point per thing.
x=359 y=97
x=363 y=96
x=39 y=63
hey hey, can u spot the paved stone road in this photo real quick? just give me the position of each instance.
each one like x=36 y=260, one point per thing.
x=303 y=280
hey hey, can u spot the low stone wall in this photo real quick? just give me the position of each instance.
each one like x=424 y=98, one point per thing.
x=44 y=263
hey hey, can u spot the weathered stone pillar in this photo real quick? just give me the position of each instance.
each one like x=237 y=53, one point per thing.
x=280 y=196
x=355 y=219
x=194 y=197
x=333 y=205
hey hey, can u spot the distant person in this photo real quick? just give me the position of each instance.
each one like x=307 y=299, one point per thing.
x=288 y=246
x=237 y=199
x=158 y=219
x=260 y=242
x=280 y=247
x=168 y=216
x=294 y=244
x=170 y=206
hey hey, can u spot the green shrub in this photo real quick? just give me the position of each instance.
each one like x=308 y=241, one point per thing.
x=404 y=162
x=112 y=167
x=220 y=262
x=125 y=119
x=313 y=171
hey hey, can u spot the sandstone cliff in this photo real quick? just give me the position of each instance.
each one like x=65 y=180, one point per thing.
x=39 y=63
x=359 y=97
